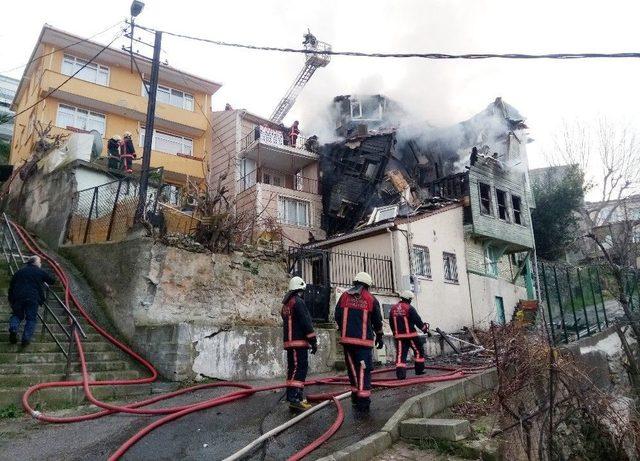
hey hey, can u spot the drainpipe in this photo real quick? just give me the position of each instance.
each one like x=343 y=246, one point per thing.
x=393 y=258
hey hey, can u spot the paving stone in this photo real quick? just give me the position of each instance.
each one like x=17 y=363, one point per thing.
x=447 y=429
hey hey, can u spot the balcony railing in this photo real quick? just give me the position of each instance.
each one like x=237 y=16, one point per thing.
x=274 y=137
x=279 y=179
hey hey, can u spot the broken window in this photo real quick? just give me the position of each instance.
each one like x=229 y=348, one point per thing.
x=421 y=261
x=503 y=211
x=485 y=199
x=295 y=212
x=516 y=204
x=450 y=267
x=346 y=207
x=491 y=261
x=383 y=213
x=356 y=108
x=369 y=169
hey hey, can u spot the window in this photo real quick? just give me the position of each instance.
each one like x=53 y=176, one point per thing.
x=500 y=316
x=383 y=213
x=485 y=199
x=168 y=143
x=171 y=96
x=272 y=178
x=292 y=211
x=503 y=211
x=356 y=108
x=491 y=261
x=450 y=267
x=82 y=119
x=369 y=170
x=421 y=261
x=516 y=204
x=93 y=73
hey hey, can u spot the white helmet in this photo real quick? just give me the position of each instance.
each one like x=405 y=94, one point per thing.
x=407 y=294
x=297 y=283
x=363 y=278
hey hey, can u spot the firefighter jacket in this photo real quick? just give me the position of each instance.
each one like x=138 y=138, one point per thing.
x=113 y=147
x=358 y=317
x=404 y=319
x=296 y=323
x=128 y=147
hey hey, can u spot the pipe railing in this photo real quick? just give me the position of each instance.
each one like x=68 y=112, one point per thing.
x=15 y=258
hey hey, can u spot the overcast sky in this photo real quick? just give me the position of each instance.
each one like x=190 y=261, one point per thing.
x=442 y=92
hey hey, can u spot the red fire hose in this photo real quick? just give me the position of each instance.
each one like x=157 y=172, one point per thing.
x=173 y=413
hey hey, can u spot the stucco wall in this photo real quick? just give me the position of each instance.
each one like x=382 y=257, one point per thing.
x=185 y=310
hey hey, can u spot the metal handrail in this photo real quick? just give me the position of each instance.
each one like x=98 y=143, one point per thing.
x=7 y=247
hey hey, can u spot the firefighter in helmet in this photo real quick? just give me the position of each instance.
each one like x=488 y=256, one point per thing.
x=298 y=338
x=360 y=327
x=127 y=152
x=404 y=319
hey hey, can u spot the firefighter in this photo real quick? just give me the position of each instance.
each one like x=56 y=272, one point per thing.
x=298 y=338
x=404 y=319
x=127 y=152
x=359 y=321
x=113 y=151
x=293 y=134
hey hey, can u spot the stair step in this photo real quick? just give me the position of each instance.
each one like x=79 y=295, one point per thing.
x=447 y=429
x=51 y=357
x=24 y=381
x=51 y=346
x=52 y=398
x=59 y=367
x=46 y=337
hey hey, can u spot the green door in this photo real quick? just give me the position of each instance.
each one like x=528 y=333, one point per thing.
x=500 y=310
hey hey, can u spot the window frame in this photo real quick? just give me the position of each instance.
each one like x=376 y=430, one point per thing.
x=425 y=270
x=517 y=213
x=176 y=136
x=489 y=197
x=89 y=114
x=504 y=206
x=282 y=211
x=490 y=262
x=352 y=103
x=169 y=91
x=66 y=58
x=448 y=269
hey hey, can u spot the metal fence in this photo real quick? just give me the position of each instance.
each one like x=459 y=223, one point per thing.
x=579 y=301
x=106 y=212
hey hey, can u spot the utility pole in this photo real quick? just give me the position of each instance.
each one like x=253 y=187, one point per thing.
x=148 y=129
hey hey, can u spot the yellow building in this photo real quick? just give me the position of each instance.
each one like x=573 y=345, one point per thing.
x=108 y=97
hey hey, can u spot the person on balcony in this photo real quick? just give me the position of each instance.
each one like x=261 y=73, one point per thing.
x=113 y=151
x=128 y=153
x=404 y=320
x=26 y=293
x=298 y=337
x=293 y=134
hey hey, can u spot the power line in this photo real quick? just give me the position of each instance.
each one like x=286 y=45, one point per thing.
x=118 y=35
x=61 y=49
x=470 y=56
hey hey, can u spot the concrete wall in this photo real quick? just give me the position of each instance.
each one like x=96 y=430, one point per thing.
x=185 y=310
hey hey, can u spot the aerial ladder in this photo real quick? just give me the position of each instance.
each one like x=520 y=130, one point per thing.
x=317 y=57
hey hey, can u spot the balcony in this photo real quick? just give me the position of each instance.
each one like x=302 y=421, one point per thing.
x=270 y=149
x=113 y=101
x=278 y=179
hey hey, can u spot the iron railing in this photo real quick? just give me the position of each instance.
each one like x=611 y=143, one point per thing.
x=279 y=179
x=106 y=212
x=15 y=259
x=273 y=137
x=578 y=299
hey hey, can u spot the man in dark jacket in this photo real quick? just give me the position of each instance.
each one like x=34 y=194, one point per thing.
x=358 y=317
x=298 y=337
x=127 y=153
x=113 y=151
x=403 y=320
x=26 y=293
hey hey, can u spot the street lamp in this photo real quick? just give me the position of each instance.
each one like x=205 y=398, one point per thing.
x=136 y=8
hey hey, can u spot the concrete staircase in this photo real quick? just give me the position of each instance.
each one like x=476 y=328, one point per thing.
x=43 y=361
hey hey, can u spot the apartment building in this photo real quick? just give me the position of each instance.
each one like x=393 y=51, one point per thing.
x=109 y=96
x=8 y=87
x=268 y=176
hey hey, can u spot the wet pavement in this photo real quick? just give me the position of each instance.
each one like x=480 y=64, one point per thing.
x=210 y=434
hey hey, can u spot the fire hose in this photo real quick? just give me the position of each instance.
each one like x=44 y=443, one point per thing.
x=172 y=413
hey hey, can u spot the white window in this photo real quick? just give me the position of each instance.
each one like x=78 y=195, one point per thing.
x=83 y=119
x=491 y=261
x=171 y=96
x=94 y=73
x=450 y=267
x=421 y=261
x=292 y=211
x=169 y=143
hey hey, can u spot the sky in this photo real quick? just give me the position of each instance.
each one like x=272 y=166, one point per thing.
x=440 y=92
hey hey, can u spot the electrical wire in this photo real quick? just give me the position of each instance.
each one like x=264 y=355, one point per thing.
x=445 y=56
x=61 y=49
x=9 y=119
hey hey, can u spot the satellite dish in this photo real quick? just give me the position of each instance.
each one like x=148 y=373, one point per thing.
x=98 y=146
